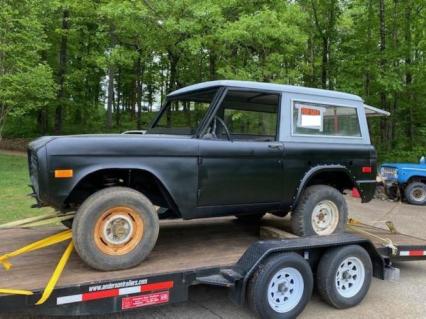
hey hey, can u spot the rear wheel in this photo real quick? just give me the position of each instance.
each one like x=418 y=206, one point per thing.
x=344 y=276
x=115 y=228
x=281 y=287
x=321 y=210
x=415 y=193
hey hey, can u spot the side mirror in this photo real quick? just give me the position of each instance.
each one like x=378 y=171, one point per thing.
x=422 y=160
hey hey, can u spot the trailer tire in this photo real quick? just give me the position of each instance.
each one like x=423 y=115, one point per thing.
x=115 y=228
x=344 y=276
x=286 y=277
x=321 y=210
x=415 y=193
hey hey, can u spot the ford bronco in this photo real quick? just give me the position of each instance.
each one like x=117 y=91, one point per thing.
x=216 y=148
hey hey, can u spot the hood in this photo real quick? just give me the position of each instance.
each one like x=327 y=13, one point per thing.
x=117 y=144
x=40 y=142
x=404 y=165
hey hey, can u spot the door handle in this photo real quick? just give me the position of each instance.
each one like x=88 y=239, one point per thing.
x=275 y=146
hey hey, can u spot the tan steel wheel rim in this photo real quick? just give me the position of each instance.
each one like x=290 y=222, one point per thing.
x=118 y=231
x=419 y=194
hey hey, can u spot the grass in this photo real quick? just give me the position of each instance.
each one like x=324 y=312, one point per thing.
x=14 y=200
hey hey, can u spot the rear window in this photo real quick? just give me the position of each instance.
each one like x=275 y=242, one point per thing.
x=325 y=120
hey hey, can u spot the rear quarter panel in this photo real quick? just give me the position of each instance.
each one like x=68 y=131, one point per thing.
x=302 y=153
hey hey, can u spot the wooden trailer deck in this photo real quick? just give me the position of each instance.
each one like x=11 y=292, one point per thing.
x=182 y=245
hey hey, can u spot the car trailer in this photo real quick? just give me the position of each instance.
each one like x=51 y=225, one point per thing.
x=266 y=268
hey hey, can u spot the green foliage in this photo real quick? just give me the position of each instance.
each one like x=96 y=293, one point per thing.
x=26 y=83
x=109 y=64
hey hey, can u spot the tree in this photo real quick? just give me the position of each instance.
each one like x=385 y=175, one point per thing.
x=26 y=82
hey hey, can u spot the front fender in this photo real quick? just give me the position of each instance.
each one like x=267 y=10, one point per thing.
x=404 y=175
x=177 y=175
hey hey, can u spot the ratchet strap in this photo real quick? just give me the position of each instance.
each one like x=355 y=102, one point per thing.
x=46 y=242
x=356 y=226
x=42 y=220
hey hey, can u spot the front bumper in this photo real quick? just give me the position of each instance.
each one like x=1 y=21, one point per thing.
x=392 y=190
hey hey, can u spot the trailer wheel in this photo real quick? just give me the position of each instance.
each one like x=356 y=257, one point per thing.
x=281 y=287
x=344 y=276
x=321 y=210
x=415 y=193
x=115 y=228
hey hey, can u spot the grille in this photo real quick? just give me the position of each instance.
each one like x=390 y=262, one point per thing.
x=33 y=169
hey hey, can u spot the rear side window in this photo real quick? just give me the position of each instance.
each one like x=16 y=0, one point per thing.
x=325 y=120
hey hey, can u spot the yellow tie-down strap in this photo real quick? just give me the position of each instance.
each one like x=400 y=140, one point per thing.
x=46 y=242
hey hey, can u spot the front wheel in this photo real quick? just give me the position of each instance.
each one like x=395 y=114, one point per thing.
x=321 y=210
x=415 y=193
x=115 y=228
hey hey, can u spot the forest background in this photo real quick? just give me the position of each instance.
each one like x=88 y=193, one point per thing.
x=97 y=66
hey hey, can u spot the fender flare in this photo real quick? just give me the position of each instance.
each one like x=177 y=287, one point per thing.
x=97 y=168
x=315 y=170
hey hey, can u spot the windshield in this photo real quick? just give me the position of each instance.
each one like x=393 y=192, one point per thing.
x=182 y=115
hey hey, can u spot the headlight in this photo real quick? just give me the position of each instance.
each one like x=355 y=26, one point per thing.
x=389 y=173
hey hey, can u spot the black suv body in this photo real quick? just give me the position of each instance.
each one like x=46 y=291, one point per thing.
x=221 y=148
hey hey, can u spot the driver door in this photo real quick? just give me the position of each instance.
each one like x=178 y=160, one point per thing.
x=244 y=167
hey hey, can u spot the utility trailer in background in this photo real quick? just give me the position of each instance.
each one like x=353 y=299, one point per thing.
x=273 y=276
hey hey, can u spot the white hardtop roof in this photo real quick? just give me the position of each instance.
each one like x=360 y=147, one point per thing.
x=266 y=86
x=374 y=111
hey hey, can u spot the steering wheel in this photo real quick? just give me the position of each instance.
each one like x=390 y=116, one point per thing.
x=223 y=124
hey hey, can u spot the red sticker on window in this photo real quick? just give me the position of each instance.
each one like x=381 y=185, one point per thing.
x=145 y=300
x=306 y=111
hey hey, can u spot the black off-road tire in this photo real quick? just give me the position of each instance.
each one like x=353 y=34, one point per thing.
x=301 y=218
x=327 y=271
x=92 y=210
x=250 y=219
x=257 y=290
x=409 y=193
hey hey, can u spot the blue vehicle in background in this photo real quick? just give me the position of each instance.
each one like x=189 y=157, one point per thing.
x=405 y=180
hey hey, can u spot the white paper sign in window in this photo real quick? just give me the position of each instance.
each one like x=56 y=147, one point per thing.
x=310 y=117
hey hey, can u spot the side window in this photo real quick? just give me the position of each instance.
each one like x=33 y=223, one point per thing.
x=250 y=115
x=325 y=120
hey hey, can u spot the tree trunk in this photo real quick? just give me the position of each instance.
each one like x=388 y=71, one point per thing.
x=110 y=100
x=367 y=72
x=382 y=47
x=139 y=94
x=408 y=74
x=43 y=121
x=212 y=65
x=324 y=63
x=172 y=82
x=118 y=100
x=62 y=68
x=3 y=114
